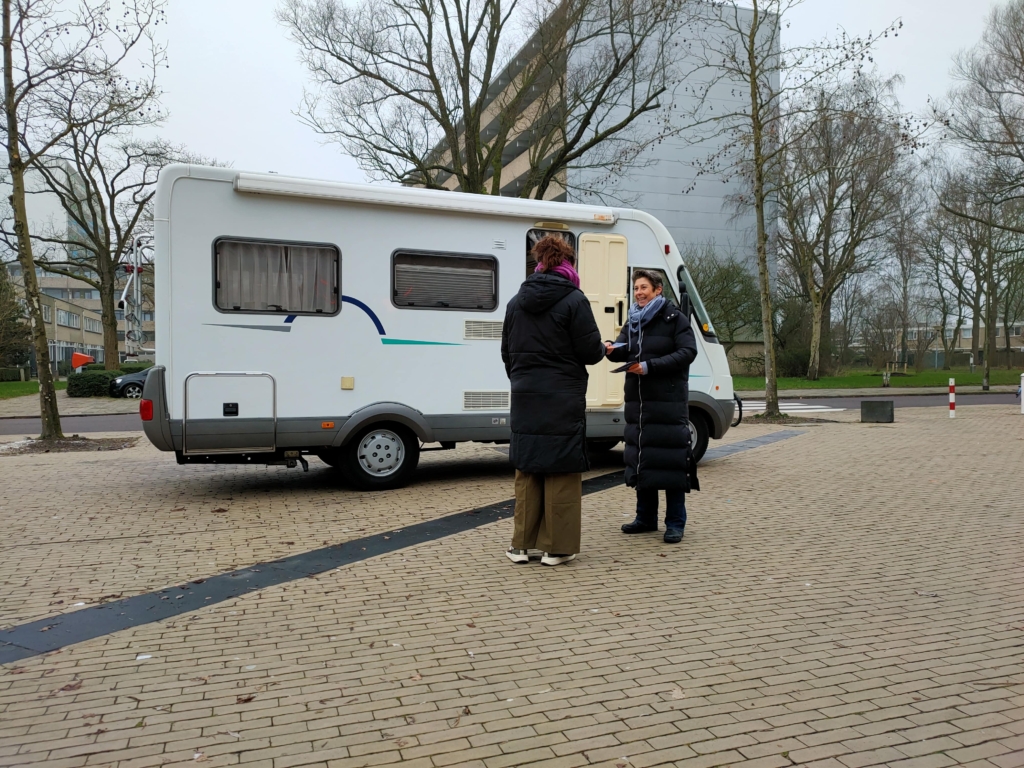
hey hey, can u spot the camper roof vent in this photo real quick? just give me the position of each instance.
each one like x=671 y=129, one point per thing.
x=485 y=401
x=483 y=329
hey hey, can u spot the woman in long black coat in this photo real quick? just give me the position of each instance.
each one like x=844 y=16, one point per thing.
x=548 y=339
x=659 y=341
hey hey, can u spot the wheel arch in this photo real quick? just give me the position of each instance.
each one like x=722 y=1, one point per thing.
x=705 y=404
x=381 y=413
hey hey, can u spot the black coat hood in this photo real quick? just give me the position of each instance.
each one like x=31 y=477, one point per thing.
x=548 y=339
x=540 y=292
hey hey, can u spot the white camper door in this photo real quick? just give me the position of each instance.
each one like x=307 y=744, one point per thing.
x=604 y=278
x=230 y=413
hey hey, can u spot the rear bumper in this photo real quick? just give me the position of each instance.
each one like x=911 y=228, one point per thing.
x=159 y=429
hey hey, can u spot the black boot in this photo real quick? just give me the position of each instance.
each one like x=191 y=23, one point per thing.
x=637 y=526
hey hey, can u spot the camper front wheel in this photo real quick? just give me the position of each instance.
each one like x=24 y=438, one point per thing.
x=381 y=456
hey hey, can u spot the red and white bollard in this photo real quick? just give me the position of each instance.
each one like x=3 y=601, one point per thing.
x=952 y=398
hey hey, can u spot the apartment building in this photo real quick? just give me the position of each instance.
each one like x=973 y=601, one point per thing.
x=85 y=300
x=663 y=181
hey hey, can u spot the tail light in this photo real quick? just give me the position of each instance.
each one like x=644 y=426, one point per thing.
x=146 y=410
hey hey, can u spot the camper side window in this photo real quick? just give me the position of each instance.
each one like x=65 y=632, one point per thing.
x=281 y=278
x=426 y=280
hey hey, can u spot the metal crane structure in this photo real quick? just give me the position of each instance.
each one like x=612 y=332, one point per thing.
x=140 y=259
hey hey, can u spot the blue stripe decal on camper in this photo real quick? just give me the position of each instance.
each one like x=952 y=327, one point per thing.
x=368 y=311
x=290 y=319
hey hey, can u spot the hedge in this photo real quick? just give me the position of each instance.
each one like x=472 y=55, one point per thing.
x=91 y=383
x=135 y=367
x=10 y=374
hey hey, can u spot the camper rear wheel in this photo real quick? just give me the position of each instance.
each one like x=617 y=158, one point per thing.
x=380 y=457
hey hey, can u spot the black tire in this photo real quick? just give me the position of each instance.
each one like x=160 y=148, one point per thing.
x=394 y=455
x=602 y=445
x=132 y=391
x=700 y=433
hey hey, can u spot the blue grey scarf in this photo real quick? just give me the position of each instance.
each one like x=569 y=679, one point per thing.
x=641 y=316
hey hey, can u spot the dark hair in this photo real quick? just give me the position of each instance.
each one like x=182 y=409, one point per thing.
x=552 y=250
x=654 y=278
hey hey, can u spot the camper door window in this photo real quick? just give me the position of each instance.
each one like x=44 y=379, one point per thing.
x=429 y=280
x=278 y=278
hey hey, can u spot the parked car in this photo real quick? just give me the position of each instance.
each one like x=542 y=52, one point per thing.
x=129 y=385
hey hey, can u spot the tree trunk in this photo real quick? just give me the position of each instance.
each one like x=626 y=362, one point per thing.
x=771 y=386
x=108 y=290
x=976 y=324
x=991 y=315
x=50 y=416
x=817 y=308
x=825 y=348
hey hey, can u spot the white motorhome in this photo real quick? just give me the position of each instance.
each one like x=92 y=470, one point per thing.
x=362 y=324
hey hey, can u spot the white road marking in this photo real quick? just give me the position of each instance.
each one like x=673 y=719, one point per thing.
x=758 y=405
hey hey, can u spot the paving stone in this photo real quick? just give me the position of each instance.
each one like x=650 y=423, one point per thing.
x=800 y=622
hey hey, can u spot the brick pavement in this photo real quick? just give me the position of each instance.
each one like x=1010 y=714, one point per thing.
x=838 y=601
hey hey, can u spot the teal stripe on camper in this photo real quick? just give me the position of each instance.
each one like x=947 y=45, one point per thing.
x=386 y=340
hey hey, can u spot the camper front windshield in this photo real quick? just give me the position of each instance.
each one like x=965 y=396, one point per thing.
x=686 y=282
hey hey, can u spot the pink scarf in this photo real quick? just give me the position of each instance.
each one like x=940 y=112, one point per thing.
x=565 y=269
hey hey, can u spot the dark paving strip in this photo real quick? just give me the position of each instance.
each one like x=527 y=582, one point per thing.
x=115 y=422
x=45 y=635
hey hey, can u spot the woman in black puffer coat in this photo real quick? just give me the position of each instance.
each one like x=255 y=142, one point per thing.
x=548 y=339
x=659 y=341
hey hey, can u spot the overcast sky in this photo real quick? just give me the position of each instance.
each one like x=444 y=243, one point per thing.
x=234 y=80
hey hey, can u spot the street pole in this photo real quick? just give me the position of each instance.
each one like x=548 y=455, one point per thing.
x=952 y=398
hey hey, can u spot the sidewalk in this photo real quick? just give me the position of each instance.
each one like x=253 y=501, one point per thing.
x=27 y=407
x=751 y=394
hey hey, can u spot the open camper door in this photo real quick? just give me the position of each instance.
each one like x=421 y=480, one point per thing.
x=604 y=278
x=230 y=413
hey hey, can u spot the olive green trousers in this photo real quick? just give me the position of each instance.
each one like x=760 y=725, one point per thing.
x=548 y=513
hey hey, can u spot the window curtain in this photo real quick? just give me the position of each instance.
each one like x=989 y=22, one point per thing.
x=265 y=277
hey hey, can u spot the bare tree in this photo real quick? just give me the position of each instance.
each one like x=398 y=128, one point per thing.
x=848 y=315
x=728 y=290
x=879 y=326
x=986 y=110
x=61 y=71
x=489 y=97
x=946 y=257
x=903 y=262
x=736 y=45
x=840 y=170
x=105 y=180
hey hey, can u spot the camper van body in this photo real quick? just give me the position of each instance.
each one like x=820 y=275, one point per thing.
x=372 y=357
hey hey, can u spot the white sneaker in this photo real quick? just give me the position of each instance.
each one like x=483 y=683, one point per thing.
x=517 y=556
x=549 y=559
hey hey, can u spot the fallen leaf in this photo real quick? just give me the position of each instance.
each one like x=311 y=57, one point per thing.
x=465 y=711
x=245 y=699
x=663 y=555
x=140 y=724
x=218 y=510
x=471 y=625
x=417 y=676
x=97 y=732
x=47 y=628
x=178 y=509
x=72 y=686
